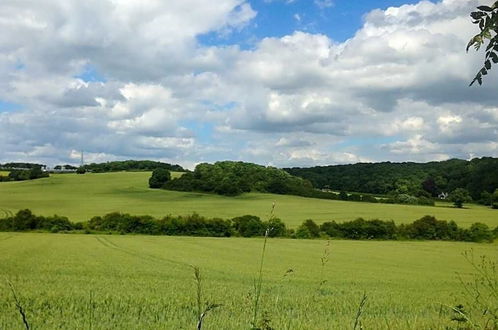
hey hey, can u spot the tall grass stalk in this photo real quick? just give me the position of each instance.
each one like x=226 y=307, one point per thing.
x=201 y=313
x=91 y=309
x=198 y=284
x=259 y=282
x=19 y=306
x=324 y=260
x=359 y=312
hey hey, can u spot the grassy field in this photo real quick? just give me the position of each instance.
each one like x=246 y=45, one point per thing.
x=82 y=196
x=145 y=282
x=4 y=173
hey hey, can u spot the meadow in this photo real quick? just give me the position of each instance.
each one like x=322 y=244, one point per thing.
x=146 y=282
x=81 y=197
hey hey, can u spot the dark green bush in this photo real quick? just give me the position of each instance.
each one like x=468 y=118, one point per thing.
x=309 y=227
x=249 y=225
x=159 y=178
x=276 y=228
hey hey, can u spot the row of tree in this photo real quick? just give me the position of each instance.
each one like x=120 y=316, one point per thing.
x=21 y=175
x=18 y=165
x=130 y=165
x=426 y=228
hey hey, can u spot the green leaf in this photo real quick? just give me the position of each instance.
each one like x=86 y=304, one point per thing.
x=494 y=57
x=484 y=71
x=487 y=65
x=485 y=8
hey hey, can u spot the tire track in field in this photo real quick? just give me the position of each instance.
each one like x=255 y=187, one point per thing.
x=6 y=238
x=142 y=256
x=6 y=213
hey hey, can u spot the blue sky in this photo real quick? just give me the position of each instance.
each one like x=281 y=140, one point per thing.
x=8 y=106
x=280 y=82
x=338 y=19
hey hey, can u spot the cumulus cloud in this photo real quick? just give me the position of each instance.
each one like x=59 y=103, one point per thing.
x=396 y=90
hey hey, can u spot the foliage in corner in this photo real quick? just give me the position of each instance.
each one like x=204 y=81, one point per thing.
x=486 y=18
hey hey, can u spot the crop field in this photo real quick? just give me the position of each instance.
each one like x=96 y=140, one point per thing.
x=146 y=282
x=80 y=197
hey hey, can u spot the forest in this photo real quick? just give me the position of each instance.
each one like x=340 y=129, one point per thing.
x=479 y=176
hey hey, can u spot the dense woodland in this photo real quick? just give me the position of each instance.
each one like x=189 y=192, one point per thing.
x=233 y=178
x=130 y=165
x=409 y=183
x=479 y=176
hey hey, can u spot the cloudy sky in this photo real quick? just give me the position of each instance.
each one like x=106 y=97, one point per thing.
x=280 y=82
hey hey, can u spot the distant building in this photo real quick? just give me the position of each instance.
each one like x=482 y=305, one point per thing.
x=63 y=169
x=442 y=195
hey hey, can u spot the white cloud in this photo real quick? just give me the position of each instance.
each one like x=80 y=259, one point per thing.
x=399 y=85
x=324 y=3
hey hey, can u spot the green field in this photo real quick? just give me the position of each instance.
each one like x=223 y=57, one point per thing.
x=145 y=282
x=80 y=197
x=4 y=173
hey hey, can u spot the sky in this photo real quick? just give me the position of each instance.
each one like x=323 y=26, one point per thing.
x=275 y=82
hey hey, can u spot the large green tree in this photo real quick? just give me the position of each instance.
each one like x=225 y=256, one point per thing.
x=159 y=177
x=459 y=196
x=486 y=17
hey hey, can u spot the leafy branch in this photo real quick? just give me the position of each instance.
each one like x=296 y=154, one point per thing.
x=486 y=18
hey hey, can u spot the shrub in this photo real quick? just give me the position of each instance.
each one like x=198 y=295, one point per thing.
x=276 y=228
x=249 y=225
x=480 y=232
x=331 y=228
x=303 y=232
x=312 y=229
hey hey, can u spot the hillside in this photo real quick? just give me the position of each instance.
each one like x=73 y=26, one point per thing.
x=81 y=197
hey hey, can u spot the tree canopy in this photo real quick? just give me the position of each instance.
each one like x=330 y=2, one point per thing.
x=459 y=196
x=131 y=165
x=478 y=176
x=233 y=178
x=159 y=178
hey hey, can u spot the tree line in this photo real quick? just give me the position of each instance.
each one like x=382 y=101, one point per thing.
x=18 y=165
x=479 y=177
x=22 y=175
x=234 y=178
x=130 y=165
x=425 y=228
